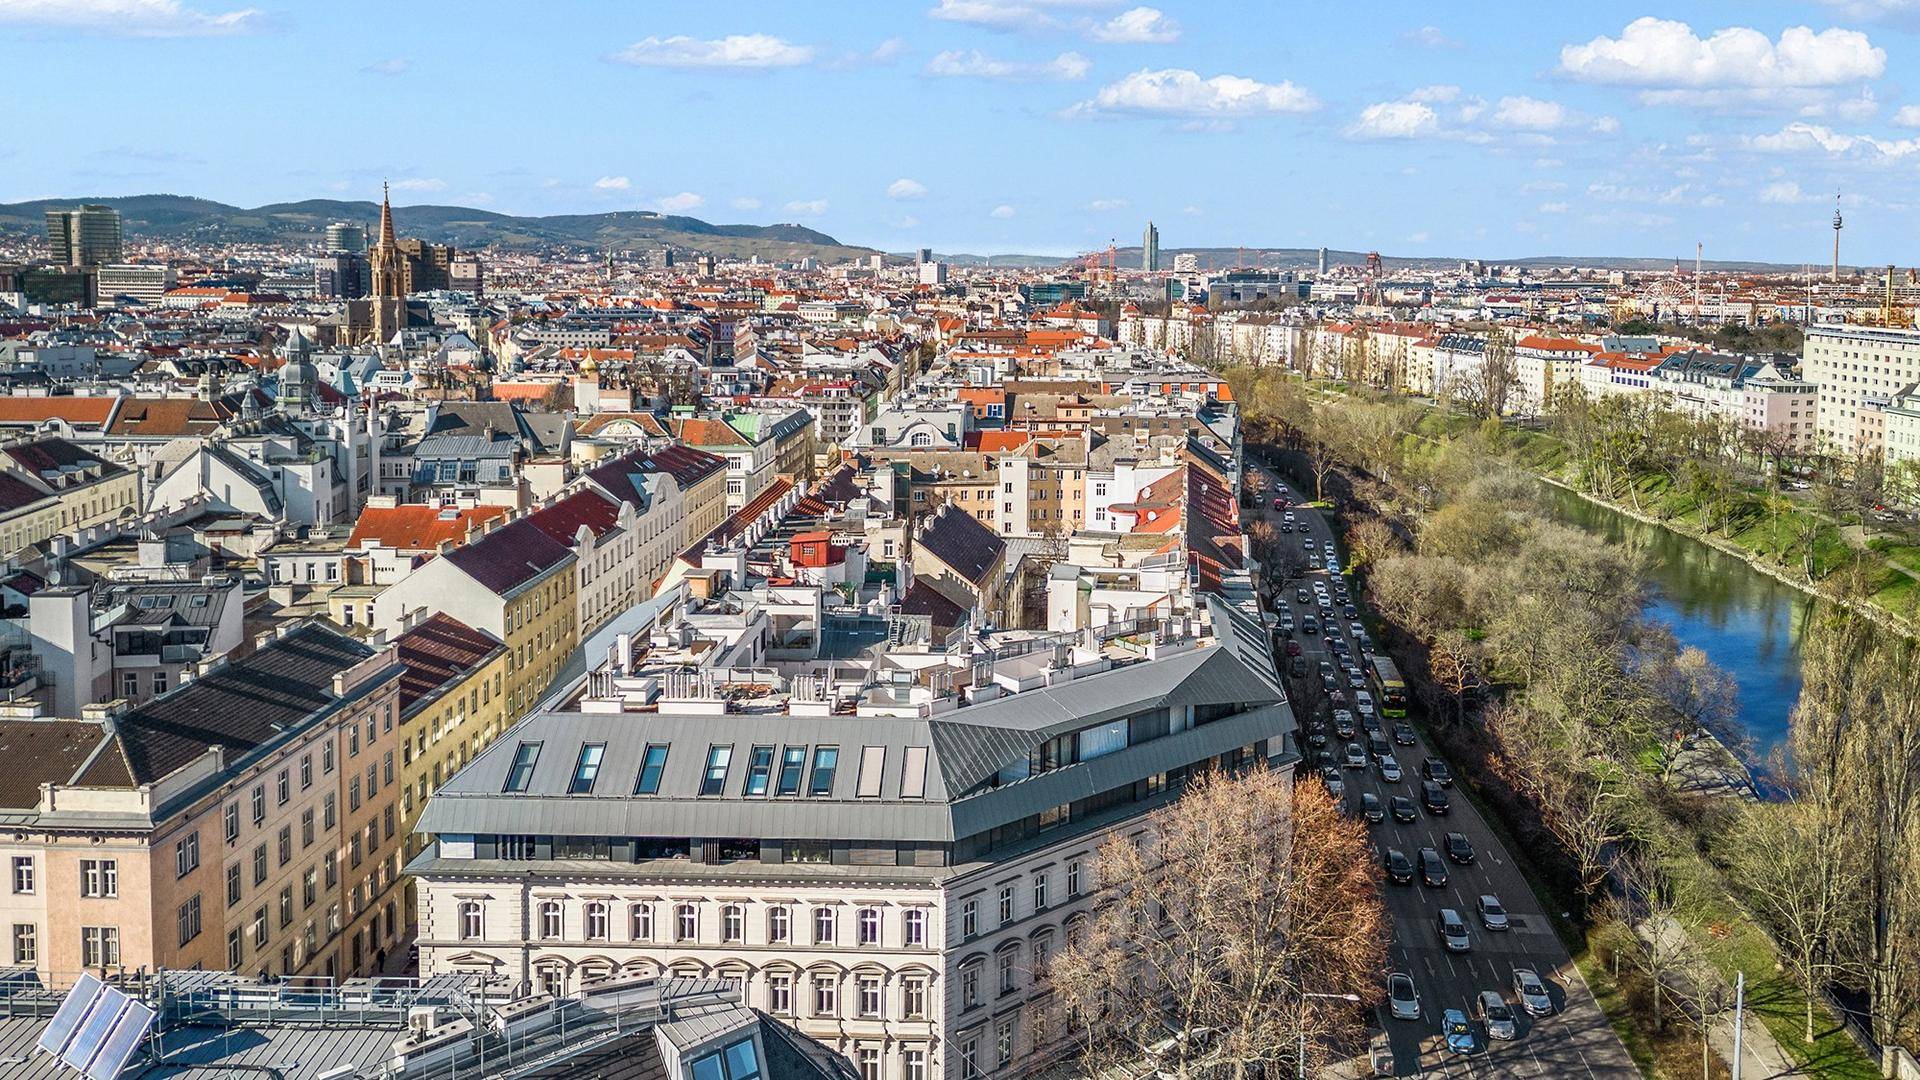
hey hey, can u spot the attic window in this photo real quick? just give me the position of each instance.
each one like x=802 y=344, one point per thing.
x=913 y=774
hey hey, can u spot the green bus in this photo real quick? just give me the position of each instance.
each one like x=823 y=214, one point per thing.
x=1388 y=687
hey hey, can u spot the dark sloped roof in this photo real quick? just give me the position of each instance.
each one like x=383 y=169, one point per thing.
x=437 y=652
x=924 y=599
x=238 y=706
x=510 y=556
x=42 y=752
x=563 y=519
x=16 y=493
x=954 y=537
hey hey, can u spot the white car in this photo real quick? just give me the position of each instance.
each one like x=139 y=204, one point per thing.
x=1390 y=769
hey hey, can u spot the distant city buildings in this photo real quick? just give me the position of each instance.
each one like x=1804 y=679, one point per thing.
x=345 y=238
x=88 y=235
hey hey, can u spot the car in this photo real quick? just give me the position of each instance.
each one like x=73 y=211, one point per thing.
x=1399 y=867
x=1356 y=680
x=1285 y=527
x=1325 y=604
x=1459 y=1033
x=1403 y=809
x=1288 y=516
x=1324 y=760
x=1343 y=723
x=1378 y=746
x=1280 y=503
x=1532 y=993
x=1453 y=930
x=1403 y=734
x=1356 y=756
x=1330 y=683
x=1492 y=915
x=1309 y=546
x=1491 y=1010
x=1459 y=848
x=1437 y=771
x=1371 y=723
x=1316 y=736
x=1389 y=769
x=1371 y=809
x=1339 y=649
x=1299 y=667
x=1403 y=1000
x=1336 y=787
x=1348 y=611
x=1434 y=797
x=1302 y=595
x=1309 y=625
x=1433 y=869
x=1363 y=701
x=1292 y=647
x=1337 y=697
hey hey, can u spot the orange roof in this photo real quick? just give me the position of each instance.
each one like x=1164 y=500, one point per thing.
x=999 y=442
x=522 y=391
x=85 y=411
x=414 y=527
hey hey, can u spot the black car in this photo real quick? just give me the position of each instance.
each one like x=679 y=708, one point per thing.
x=1403 y=809
x=1316 y=736
x=1435 y=798
x=1433 y=869
x=1403 y=733
x=1459 y=848
x=1399 y=867
x=1436 y=770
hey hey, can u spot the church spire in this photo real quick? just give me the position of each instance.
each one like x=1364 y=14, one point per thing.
x=386 y=218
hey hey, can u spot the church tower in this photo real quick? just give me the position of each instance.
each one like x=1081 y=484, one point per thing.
x=389 y=276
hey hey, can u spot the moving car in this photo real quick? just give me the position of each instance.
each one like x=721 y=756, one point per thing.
x=1389 y=769
x=1336 y=787
x=1378 y=746
x=1403 y=734
x=1459 y=848
x=1491 y=1010
x=1433 y=869
x=1293 y=647
x=1459 y=1033
x=1343 y=723
x=1435 y=798
x=1371 y=809
x=1309 y=625
x=1453 y=931
x=1437 y=771
x=1356 y=756
x=1403 y=810
x=1301 y=594
x=1280 y=503
x=1403 y=1000
x=1492 y=915
x=1299 y=666
x=1399 y=867
x=1363 y=701
x=1532 y=992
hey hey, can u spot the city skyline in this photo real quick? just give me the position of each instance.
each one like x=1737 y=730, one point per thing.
x=991 y=126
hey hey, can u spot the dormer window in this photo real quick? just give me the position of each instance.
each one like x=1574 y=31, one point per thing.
x=735 y=1061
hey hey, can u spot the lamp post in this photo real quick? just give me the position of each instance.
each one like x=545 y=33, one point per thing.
x=1355 y=998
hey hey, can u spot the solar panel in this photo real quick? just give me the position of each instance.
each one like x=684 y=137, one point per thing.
x=99 y=1020
x=67 y=1018
x=121 y=1042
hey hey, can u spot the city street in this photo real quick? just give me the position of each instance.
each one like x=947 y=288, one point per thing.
x=1576 y=1040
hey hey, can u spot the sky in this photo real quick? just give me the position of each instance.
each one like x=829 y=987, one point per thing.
x=1483 y=130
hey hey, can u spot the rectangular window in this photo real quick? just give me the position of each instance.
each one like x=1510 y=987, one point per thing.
x=913 y=998
x=326 y=758
x=826 y=759
x=26 y=944
x=759 y=770
x=190 y=919
x=282 y=788
x=306 y=771
x=586 y=769
x=230 y=817
x=913 y=775
x=825 y=990
x=779 y=992
x=99 y=946
x=23 y=873
x=520 y=774
x=306 y=828
x=259 y=803
x=233 y=884
x=873 y=767
x=651 y=766
x=715 y=779
x=186 y=855
x=792 y=761
x=99 y=878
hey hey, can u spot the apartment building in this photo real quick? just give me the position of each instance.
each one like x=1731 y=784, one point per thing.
x=884 y=865
x=52 y=486
x=228 y=824
x=1857 y=371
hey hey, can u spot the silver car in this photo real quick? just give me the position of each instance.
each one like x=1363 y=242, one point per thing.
x=1402 y=999
x=1389 y=769
x=1532 y=992
x=1492 y=1012
x=1453 y=931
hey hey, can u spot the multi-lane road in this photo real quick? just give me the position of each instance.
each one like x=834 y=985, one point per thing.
x=1576 y=1040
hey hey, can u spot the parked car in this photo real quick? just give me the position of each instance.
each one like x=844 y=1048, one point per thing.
x=1403 y=734
x=1437 y=771
x=1280 y=503
x=1403 y=809
x=1492 y=915
x=1399 y=867
x=1435 y=798
x=1389 y=769
x=1459 y=1033
x=1532 y=992
x=1433 y=869
x=1491 y=1010
x=1403 y=1000
x=1453 y=931
x=1459 y=848
x=1371 y=809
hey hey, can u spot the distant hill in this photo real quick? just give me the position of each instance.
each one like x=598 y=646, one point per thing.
x=181 y=217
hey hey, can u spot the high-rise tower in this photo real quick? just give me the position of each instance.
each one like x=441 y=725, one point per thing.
x=1836 y=239
x=1150 y=249
x=87 y=236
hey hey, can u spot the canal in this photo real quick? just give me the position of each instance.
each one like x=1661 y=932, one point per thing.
x=1746 y=622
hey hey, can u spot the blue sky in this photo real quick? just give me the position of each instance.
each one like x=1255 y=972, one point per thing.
x=1485 y=129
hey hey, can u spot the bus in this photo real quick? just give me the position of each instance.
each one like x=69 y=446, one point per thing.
x=1388 y=687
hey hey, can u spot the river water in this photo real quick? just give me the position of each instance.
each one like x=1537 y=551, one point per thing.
x=1746 y=622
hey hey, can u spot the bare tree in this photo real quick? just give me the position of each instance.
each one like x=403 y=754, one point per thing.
x=1211 y=921
x=1700 y=700
x=1798 y=873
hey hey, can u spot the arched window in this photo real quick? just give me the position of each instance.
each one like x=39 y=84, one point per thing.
x=596 y=921
x=921 y=438
x=640 y=916
x=472 y=920
x=686 y=923
x=868 y=922
x=550 y=919
x=779 y=925
x=823 y=926
x=733 y=923
x=916 y=927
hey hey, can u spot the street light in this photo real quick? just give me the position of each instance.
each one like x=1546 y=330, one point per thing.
x=1355 y=998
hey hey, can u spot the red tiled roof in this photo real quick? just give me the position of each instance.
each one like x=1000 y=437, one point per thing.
x=79 y=411
x=418 y=528
x=437 y=652
x=563 y=519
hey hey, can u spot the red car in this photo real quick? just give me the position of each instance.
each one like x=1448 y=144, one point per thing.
x=1293 y=647
x=1280 y=503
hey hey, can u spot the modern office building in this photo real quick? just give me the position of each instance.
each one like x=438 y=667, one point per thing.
x=346 y=238
x=1858 y=370
x=884 y=858
x=1150 y=249
x=87 y=236
x=341 y=276
x=143 y=283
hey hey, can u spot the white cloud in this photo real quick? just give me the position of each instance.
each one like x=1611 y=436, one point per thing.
x=1908 y=116
x=1804 y=138
x=744 y=202
x=1431 y=37
x=1677 y=195
x=1179 y=92
x=1008 y=14
x=973 y=64
x=1529 y=114
x=397 y=65
x=905 y=188
x=613 y=183
x=420 y=183
x=807 y=207
x=1395 y=120
x=1783 y=191
x=1664 y=53
x=1553 y=208
x=1003 y=211
x=679 y=204
x=1606 y=125
x=1137 y=26
x=732 y=51
x=1192 y=211
x=130 y=18
x=1437 y=94
x=1107 y=204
